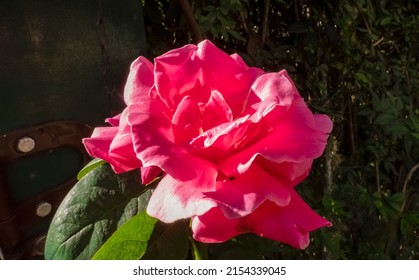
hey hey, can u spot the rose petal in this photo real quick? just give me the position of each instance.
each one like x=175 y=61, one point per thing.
x=295 y=138
x=114 y=121
x=149 y=173
x=195 y=71
x=239 y=60
x=214 y=227
x=177 y=74
x=323 y=123
x=216 y=111
x=97 y=145
x=186 y=120
x=291 y=172
x=227 y=74
x=140 y=80
x=154 y=146
x=121 y=150
x=290 y=224
x=223 y=140
x=240 y=196
x=276 y=93
x=222 y=136
x=114 y=145
x=173 y=200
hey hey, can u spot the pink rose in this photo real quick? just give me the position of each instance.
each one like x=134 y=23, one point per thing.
x=232 y=141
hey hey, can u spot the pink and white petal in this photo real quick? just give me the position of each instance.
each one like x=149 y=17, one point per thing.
x=154 y=146
x=291 y=224
x=277 y=95
x=178 y=74
x=140 y=80
x=211 y=136
x=121 y=149
x=151 y=135
x=295 y=138
x=221 y=141
x=173 y=200
x=216 y=111
x=275 y=86
x=195 y=71
x=186 y=121
x=323 y=123
x=239 y=60
x=214 y=227
x=97 y=145
x=220 y=69
x=233 y=79
x=290 y=173
x=149 y=173
x=239 y=196
x=113 y=121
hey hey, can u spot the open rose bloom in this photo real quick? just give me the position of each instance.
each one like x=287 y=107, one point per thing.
x=231 y=140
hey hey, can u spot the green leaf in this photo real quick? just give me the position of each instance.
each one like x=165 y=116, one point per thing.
x=384 y=119
x=93 y=209
x=89 y=167
x=386 y=20
x=224 y=10
x=362 y=77
x=168 y=242
x=334 y=206
x=396 y=200
x=409 y=221
x=398 y=128
x=129 y=242
x=209 y=8
x=236 y=35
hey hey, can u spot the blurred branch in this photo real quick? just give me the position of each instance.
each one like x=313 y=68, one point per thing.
x=190 y=19
x=409 y=176
x=406 y=182
x=265 y=33
x=351 y=126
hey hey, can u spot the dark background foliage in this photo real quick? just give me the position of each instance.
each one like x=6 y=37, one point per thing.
x=356 y=61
